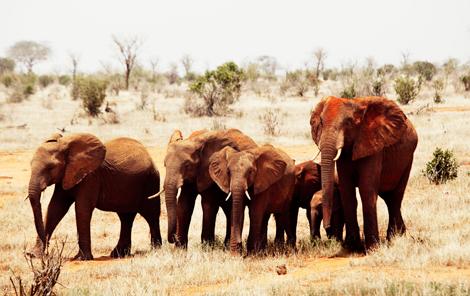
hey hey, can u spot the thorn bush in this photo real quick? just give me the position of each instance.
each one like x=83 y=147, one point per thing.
x=92 y=92
x=407 y=89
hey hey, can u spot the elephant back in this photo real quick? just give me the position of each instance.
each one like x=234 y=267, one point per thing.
x=128 y=156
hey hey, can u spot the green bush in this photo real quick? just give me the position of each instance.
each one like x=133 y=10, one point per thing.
x=407 y=89
x=64 y=80
x=442 y=168
x=218 y=88
x=298 y=81
x=6 y=65
x=349 y=91
x=466 y=81
x=92 y=92
x=45 y=80
x=426 y=70
x=386 y=69
x=378 y=87
x=8 y=80
x=438 y=86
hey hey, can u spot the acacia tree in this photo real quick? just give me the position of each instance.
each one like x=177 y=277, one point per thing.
x=128 y=50
x=187 y=62
x=319 y=56
x=28 y=53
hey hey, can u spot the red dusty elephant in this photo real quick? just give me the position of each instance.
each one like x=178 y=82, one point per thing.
x=307 y=195
x=372 y=142
x=263 y=178
x=117 y=176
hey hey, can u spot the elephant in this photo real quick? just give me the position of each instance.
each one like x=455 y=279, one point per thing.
x=372 y=143
x=187 y=175
x=117 y=176
x=265 y=173
x=307 y=195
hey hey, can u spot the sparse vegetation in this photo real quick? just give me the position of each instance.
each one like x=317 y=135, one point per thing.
x=466 y=81
x=349 y=91
x=270 y=121
x=45 y=80
x=29 y=53
x=438 y=86
x=64 y=80
x=424 y=69
x=442 y=168
x=45 y=276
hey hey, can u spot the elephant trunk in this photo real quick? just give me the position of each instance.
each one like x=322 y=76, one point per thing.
x=330 y=146
x=34 y=195
x=238 y=196
x=171 y=190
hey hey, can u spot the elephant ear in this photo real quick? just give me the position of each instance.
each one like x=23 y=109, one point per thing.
x=383 y=124
x=315 y=122
x=208 y=144
x=218 y=168
x=176 y=136
x=85 y=153
x=270 y=167
x=299 y=171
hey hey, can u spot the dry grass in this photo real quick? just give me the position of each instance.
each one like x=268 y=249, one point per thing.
x=433 y=258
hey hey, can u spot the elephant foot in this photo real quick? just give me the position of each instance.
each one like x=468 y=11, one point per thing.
x=81 y=256
x=354 y=248
x=121 y=252
x=156 y=243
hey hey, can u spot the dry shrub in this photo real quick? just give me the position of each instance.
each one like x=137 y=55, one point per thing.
x=45 y=276
x=270 y=122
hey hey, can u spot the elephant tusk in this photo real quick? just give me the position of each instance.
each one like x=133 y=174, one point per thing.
x=338 y=154
x=178 y=193
x=156 y=194
x=228 y=196
x=247 y=195
x=27 y=197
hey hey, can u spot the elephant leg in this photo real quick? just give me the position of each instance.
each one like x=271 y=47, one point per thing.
x=293 y=218
x=264 y=228
x=184 y=211
x=315 y=216
x=58 y=207
x=393 y=200
x=123 y=247
x=83 y=213
x=280 y=229
x=151 y=213
x=349 y=202
x=255 y=237
x=227 y=208
x=210 y=207
x=286 y=220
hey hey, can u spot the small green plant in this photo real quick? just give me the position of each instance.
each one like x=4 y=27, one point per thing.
x=218 y=88
x=378 y=87
x=466 y=81
x=45 y=80
x=92 y=92
x=64 y=80
x=442 y=168
x=349 y=91
x=438 y=86
x=407 y=89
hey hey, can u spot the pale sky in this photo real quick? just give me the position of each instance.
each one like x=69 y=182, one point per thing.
x=213 y=32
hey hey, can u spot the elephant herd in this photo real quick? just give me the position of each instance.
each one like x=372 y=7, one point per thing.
x=365 y=143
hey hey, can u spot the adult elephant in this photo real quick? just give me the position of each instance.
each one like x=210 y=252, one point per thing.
x=187 y=175
x=307 y=195
x=117 y=176
x=372 y=142
x=268 y=174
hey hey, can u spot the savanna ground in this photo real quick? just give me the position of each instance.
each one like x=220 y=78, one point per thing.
x=432 y=258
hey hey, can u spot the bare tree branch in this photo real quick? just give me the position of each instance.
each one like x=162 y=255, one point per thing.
x=128 y=49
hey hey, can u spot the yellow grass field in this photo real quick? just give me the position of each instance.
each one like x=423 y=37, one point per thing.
x=433 y=258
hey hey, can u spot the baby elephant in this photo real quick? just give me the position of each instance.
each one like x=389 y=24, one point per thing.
x=261 y=177
x=117 y=176
x=308 y=195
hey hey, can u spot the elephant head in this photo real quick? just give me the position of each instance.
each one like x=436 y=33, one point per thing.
x=307 y=181
x=63 y=161
x=236 y=173
x=352 y=129
x=187 y=162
